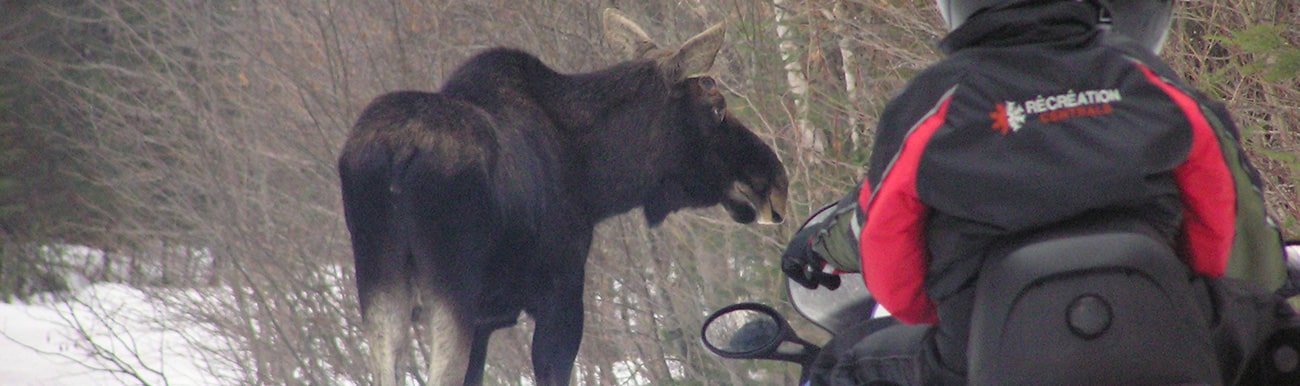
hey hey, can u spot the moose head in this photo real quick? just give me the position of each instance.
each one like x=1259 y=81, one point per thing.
x=719 y=160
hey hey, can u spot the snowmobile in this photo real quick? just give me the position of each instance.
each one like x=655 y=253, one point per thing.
x=1083 y=308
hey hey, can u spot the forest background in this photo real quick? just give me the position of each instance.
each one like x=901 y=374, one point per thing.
x=191 y=143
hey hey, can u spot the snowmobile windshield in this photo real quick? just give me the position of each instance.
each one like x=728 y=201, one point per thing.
x=834 y=310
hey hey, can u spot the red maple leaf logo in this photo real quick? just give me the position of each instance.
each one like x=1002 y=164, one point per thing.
x=1000 y=123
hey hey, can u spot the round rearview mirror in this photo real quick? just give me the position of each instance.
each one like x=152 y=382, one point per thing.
x=746 y=330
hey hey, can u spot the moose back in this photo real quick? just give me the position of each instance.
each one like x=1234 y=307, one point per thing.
x=475 y=203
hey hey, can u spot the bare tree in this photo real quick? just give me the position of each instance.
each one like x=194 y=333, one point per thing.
x=214 y=127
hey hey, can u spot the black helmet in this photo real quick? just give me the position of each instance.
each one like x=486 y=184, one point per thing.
x=955 y=12
x=1146 y=21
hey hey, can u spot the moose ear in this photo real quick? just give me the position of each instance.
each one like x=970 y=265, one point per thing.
x=623 y=32
x=696 y=55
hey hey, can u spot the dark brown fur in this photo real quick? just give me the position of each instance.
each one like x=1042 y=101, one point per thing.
x=479 y=201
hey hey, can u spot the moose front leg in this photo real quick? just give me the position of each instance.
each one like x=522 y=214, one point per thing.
x=556 y=303
x=558 y=334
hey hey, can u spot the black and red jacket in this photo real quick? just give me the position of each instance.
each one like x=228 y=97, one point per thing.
x=1034 y=119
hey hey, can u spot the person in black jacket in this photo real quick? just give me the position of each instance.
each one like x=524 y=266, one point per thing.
x=1036 y=117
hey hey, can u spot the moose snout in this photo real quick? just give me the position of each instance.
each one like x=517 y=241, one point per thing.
x=747 y=205
x=774 y=210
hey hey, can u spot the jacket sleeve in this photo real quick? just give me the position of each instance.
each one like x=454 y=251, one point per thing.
x=1209 y=193
x=838 y=243
x=892 y=242
x=1257 y=249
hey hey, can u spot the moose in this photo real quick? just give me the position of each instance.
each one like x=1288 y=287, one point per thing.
x=470 y=205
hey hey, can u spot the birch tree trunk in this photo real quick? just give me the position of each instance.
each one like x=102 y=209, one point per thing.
x=848 y=65
x=809 y=137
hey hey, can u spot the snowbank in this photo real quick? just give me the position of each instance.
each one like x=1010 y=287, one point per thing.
x=105 y=334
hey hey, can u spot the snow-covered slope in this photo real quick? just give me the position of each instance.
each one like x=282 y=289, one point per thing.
x=105 y=334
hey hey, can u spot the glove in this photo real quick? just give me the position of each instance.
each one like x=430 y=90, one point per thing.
x=803 y=265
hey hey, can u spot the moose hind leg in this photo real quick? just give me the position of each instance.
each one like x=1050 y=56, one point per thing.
x=455 y=218
x=449 y=265
x=387 y=316
x=449 y=337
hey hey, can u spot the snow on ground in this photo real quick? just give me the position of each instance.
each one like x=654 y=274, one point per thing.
x=106 y=334
x=50 y=342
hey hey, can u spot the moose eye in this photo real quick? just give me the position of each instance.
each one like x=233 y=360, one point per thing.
x=707 y=83
x=719 y=113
